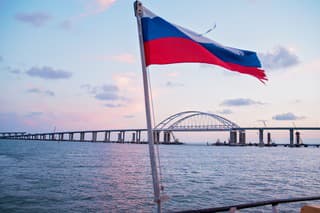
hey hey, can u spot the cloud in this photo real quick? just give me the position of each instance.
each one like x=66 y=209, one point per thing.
x=297 y=101
x=34 y=90
x=107 y=96
x=107 y=92
x=49 y=93
x=124 y=93
x=48 y=73
x=289 y=116
x=109 y=87
x=15 y=71
x=97 y=6
x=127 y=58
x=92 y=7
x=36 y=19
x=66 y=25
x=12 y=70
x=225 y=112
x=34 y=114
x=41 y=92
x=128 y=116
x=174 y=84
x=239 y=102
x=279 y=57
x=113 y=105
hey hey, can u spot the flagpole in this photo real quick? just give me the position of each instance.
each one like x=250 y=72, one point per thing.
x=155 y=176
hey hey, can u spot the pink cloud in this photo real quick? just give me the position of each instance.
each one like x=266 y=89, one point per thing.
x=127 y=58
x=97 y=6
x=91 y=8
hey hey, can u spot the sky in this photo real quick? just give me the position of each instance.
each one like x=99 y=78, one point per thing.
x=75 y=65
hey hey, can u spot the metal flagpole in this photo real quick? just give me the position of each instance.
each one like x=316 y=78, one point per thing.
x=154 y=169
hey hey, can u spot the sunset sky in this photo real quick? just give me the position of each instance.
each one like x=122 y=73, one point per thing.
x=75 y=65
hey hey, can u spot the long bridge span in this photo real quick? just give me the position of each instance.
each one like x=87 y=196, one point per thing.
x=188 y=121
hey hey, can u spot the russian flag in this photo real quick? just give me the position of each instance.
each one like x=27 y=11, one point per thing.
x=166 y=43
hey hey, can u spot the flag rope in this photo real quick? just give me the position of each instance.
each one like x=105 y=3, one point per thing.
x=154 y=124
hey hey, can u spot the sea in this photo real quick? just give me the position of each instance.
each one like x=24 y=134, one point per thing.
x=38 y=176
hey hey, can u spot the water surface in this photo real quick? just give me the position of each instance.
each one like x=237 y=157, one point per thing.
x=99 y=177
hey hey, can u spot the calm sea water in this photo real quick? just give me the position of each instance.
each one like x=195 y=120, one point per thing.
x=98 y=177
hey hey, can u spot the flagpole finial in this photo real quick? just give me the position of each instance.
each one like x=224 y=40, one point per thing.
x=138 y=10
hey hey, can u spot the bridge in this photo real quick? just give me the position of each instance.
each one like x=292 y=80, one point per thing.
x=188 y=121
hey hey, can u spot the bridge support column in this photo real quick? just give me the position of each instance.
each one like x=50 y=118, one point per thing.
x=121 y=137
x=166 y=137
x=156 y=137
x=82 y=136
x=133 y=137
x=61 y=137
x=138 y=138
x=291 y=137
x=261 y=143
x=298 y=138
x=107 y=136
x=233 y=137
x=269 y=138
x=242 y=137
x=94 y=137
x=70 y=136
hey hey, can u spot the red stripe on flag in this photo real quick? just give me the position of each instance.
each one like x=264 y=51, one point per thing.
x=181 y=50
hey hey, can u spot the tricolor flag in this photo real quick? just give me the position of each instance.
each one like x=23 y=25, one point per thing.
x=166 y=43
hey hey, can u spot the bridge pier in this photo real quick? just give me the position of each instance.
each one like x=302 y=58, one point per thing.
x=166 y=137
x=156 y=137
x=121 y=137
x=233 y=137
x=94 y=137
x=138 y=138
x=82 y=136
x=261 y=143
x=107 y=136
x=291 y=137
x=298 y=138
x=71 y=136
x=133 y=139
x=269 y=138
x=242 y=137
x=61 y=136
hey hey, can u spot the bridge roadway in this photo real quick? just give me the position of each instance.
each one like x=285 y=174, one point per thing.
x=121 y=135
